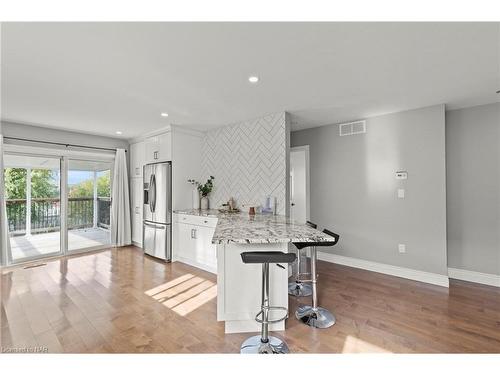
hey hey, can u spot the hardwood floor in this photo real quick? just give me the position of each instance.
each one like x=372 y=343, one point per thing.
x=121 y=301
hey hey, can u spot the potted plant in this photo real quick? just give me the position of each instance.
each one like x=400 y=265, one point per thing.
x=204 y=189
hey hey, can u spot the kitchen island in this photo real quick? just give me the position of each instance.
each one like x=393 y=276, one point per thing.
x=238 y=284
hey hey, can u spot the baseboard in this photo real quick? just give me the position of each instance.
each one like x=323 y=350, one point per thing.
x=475 y=277
x=407 y=273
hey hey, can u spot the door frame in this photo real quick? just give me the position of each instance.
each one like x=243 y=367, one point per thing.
x=305 y=150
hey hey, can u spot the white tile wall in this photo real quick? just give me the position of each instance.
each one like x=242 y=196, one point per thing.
x=248 y=161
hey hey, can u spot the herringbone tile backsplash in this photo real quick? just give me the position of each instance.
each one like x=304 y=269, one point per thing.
x=248 y=161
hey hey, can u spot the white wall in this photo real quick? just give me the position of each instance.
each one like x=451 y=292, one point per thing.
x=186 y=165
x=38 y=133
x=249 y=161
x=10 y=129
x=473 y=188
x=354 y=190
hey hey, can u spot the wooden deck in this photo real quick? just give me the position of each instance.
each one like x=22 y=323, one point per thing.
x=122 y=301
x=49 y=243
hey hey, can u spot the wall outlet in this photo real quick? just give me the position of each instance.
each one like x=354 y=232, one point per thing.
x=402 y=248
x=401 y=193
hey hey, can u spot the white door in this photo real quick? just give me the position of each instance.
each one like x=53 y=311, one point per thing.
x=151 y=150
x=137 y=156
x=206 y=251
x=185 y=241
x=164 y=147
x=299 y=183
x=136 y=193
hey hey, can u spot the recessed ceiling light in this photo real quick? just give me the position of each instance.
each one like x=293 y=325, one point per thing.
x=164 y=114
x=118 y=132
x=253 y=79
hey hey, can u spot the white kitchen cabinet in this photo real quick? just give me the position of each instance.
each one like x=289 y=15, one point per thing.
x=158 y=148
x=137 y=158
x=136 y=192
x=194 y=242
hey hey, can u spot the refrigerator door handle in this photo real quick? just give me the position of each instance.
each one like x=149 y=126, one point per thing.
x=150 y=192
x=154 y=193
x=154 y=226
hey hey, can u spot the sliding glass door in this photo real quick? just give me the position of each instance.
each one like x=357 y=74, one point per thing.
x=56 y=205
x=33 y=202
x=89 y=203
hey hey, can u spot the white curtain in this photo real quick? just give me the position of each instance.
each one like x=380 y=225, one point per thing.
x=4 y=228
x=120 y=205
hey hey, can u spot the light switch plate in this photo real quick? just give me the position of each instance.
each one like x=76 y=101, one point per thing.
x=402 y=248
x=401 y=193
x=401 y=175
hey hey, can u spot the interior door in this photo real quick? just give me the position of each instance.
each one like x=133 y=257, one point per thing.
x=298 y=186
x=137 y=191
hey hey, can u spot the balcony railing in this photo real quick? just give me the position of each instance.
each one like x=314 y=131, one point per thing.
x=46 y=214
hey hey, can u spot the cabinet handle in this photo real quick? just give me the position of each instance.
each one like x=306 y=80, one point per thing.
x=194 y=233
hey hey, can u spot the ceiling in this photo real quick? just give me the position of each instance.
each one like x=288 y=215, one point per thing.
x=103 y=77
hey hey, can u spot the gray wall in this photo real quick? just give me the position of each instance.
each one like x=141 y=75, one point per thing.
x=473 y=188
x=354 y=190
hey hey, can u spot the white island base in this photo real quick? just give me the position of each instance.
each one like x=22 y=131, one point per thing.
x=239 y=287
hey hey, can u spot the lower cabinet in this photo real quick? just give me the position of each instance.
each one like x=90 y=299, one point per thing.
x=193 y=245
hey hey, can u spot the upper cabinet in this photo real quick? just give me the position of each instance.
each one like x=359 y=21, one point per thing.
x=137 y=157
x=158 y=148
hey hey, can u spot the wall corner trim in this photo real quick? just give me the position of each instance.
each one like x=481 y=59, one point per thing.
x=406 y=273
x=475 y=277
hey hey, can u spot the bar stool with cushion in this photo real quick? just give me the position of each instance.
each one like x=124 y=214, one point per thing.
x=315 y=316
x=263 y=343
x=299 y=288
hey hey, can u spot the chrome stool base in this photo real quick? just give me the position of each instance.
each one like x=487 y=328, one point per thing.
x=254 y=345
x=299 y=289
x=315 y=317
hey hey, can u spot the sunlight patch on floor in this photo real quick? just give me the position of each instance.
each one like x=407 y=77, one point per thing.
x=355 y=345
x=184 y=294
x=162 y=287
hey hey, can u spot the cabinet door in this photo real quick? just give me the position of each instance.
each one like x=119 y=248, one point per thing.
x=164 y=147
x=136 y=207
x=151 y=150
x=185 y=243
x=206 y=252
x=137 y=154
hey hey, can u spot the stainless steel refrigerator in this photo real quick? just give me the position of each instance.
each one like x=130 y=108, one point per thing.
x=157 y=208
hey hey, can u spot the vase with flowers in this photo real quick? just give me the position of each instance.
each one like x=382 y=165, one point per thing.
x=204 y=190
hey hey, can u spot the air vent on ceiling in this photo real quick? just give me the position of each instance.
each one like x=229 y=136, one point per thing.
x=350 y=128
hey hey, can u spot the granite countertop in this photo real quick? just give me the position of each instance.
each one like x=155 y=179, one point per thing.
x=260 y=228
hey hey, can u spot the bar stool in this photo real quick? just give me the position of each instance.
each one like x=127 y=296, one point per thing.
x=315 y=316
x=298 y=288
x=263 y=343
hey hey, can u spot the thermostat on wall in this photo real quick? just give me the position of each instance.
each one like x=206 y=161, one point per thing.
x=401 y=175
